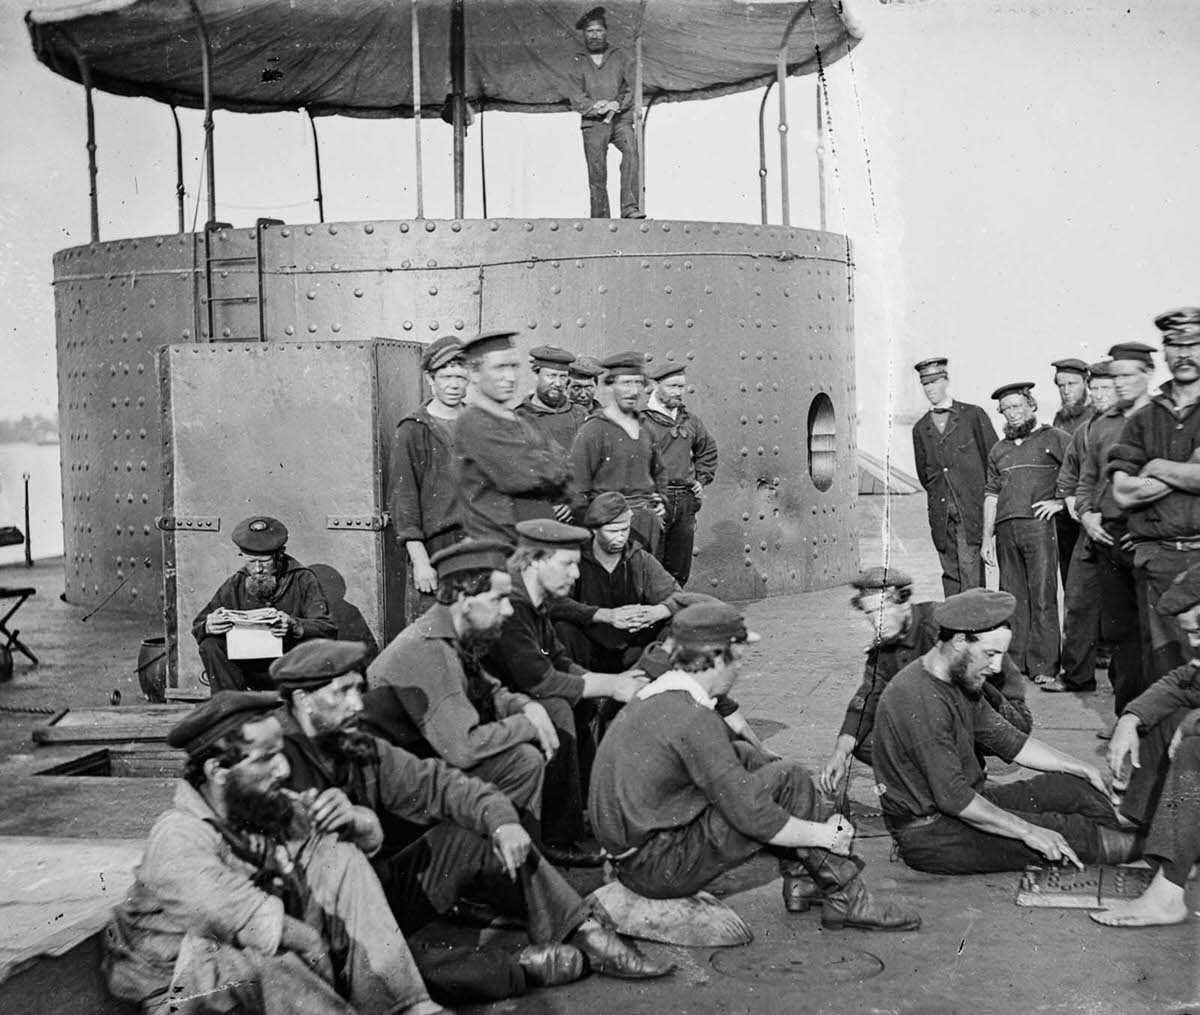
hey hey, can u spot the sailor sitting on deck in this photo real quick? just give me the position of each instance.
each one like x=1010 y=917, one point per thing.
x=236 y=906
x=355 y=784
x=268 y=579
x=903 y=631
x=931 y=721
x=675 y=801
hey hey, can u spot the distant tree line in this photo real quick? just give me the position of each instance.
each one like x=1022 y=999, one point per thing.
x=27 y=429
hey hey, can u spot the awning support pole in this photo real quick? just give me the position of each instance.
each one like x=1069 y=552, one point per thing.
x=820 y=155
x=458 y=99
x=85 y=78
x=785 y=204
x=180 y=190
x=210 y=158
x=762 y=151
x=416 y=89
x=482 y=163
x=781 y=71
x=317 y=166
x=639 y=120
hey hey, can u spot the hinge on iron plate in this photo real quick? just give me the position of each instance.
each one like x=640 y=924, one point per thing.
x=188 y=523
x=358 y=523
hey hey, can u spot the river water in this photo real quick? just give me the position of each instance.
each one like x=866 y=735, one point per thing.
x=41 y=462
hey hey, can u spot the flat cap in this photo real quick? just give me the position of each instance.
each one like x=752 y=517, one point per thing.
x=595 y=14
x=1015 y=388
x=314 y=663
x=1139 y=352
x=625 y=363
x=437 y=354
x=548 y=534
x=260 y=534
x=880 y=578
x=1100 y=369
x=550 y=356
x=1180 y=327
x=933 y=367
x=223 y=713
x=471 y=555
x=487 y=341
x=607 y=507
x=975 y=610
x=1182 y=594
x=586 y=367
x=710 y=624
x=1175 y=320
x=1071 y=366
x=661 y=371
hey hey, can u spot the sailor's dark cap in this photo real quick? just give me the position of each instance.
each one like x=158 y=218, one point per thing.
x=471 y=555
x=223 y=713
x=548 y=534
x=932 y=368
x=260 y=534
x=488 y=341
x=975 y=610
x=607 y=507
x=314 y=663
x=1139 y=352
x=437 y=354
x=710 y=624
x=550 y=356
x=873 y=579
x=1070 y=366
x=1015 y=388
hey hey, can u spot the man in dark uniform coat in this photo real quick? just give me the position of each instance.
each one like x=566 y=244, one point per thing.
x=931 y=722
x=951 y=443
x=1070 y=377
x=548 y=406
x=623 y=598
x=903 y=631
x=582 y=377
x=1155 y=470
x=352 y=782
x=689 y=456
x=506 y=469
x=269 y=578
x=421 y=494
x=1018 y=527
x=676 y=801
x=615 y=450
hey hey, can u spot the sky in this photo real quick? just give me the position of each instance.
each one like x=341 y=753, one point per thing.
x=1017 y=177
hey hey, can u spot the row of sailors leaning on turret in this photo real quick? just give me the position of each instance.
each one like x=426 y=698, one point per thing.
x=322 y=824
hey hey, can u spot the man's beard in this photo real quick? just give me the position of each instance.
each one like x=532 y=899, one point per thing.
x=552 y=397
x=960 y=671
x=261 y=586
x=1016 y=431
x=477 y=644
x=347 y=741
x=1074 y=410
x=267 y=813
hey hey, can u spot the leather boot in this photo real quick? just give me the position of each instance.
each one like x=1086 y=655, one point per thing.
x=549 y=965
x=847 y=902
x=1118 y=845
x=609 y=954
x=800 y=892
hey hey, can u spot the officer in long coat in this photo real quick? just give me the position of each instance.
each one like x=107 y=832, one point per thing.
x=951 y=444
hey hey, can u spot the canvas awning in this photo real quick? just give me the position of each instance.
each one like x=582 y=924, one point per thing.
x=353 y=57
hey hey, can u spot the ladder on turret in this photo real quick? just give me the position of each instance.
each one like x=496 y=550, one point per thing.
x=234 y=316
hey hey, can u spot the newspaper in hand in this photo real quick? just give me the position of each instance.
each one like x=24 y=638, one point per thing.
x=251 y=637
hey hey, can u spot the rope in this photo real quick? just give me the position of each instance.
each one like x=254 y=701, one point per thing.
x=29 y=709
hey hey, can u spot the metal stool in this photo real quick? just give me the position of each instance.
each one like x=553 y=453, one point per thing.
x=13 y=641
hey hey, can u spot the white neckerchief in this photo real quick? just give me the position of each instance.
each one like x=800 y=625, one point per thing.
x=677 y=680
x=653 y=403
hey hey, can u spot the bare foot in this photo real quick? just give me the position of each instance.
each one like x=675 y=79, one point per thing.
x=1161 y=903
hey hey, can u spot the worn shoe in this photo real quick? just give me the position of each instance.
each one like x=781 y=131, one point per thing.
x=550 y=965
x=571 y=855
x=800 y=893
x=847 y=902
x=1056 y=686
x=609 y=954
